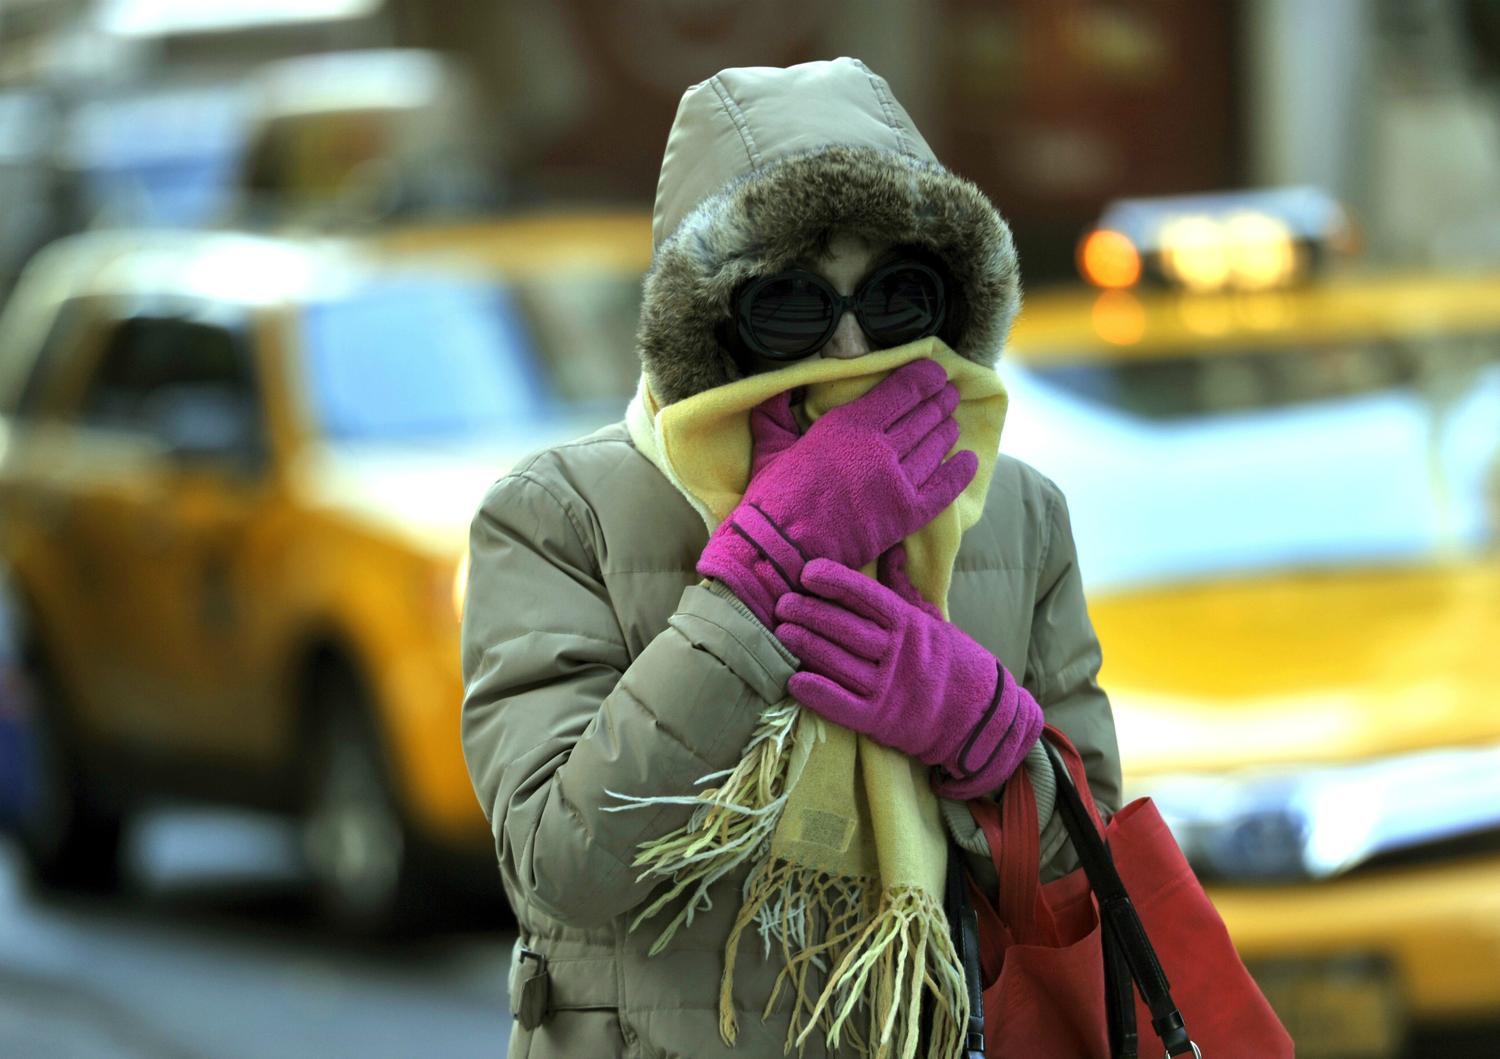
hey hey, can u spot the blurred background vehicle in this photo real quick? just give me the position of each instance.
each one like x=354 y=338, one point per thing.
x=317 y=250
x=237 y=479
x=1283 y=483
x=575 y=274
x=361 y=138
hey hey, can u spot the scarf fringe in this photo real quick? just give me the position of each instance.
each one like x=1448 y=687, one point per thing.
x=884 y=951
x=730 y=825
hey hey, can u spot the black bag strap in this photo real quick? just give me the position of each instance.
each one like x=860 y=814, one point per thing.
x=1119 y=997
x=963 y=920
x=1121 y=921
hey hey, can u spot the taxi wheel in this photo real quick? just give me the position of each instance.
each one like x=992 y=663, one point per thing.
x=71 y=841
x=366 y=866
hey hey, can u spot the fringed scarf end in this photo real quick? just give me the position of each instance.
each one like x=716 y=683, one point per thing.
x=888 y=957
x=730 y=825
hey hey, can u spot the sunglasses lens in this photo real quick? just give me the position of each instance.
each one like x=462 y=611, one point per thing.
x=901 y=304
x=788 y=316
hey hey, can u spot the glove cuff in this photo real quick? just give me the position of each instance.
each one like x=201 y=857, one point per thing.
x=997 y=744
x=752 y=524
x=750 y=555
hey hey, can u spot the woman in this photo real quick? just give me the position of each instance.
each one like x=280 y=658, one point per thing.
x=625 y=668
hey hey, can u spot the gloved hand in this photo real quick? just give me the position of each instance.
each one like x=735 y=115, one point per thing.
x=865 y=476
x=884 y=667
x=891 y=572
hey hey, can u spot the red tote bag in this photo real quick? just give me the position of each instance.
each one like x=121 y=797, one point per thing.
x=1058 y=979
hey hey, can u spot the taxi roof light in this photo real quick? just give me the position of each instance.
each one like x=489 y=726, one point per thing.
x=1252 y=240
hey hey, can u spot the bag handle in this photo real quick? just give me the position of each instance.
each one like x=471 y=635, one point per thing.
x=1010 y=832
x=965 y=927
x=1122 y=922
x=1058 y=745
x=1015 y=833
x=1119 y=987
x=1024 y=890
x=1017 y=855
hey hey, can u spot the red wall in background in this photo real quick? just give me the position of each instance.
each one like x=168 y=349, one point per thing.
x=1052 y=106
x=1057 y=106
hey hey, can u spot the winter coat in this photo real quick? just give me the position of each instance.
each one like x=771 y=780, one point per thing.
x=595 y=659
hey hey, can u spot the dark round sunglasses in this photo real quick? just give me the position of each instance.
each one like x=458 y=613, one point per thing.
x=792 y=314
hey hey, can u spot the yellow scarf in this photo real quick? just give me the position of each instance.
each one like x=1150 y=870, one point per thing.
x=846 y=836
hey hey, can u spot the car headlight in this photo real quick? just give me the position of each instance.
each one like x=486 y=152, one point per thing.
x=1322 y=821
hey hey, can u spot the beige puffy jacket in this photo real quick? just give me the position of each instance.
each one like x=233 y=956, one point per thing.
x=595 y=659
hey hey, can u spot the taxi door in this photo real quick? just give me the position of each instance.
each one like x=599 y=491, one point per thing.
x=64 y=489
x=181 y=388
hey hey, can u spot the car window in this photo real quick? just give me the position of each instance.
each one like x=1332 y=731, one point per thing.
x=187 y=383
x=1250 y=378
x=417 y=359
x=1310 y=465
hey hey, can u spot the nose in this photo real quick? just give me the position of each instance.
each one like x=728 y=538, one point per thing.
x=848 y=340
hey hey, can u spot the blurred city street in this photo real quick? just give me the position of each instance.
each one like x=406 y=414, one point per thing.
x=217 y=956
x=287 y=286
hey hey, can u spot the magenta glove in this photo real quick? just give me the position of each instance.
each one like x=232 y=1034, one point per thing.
x=757 y=571
x=886 y=668
x=864 y=477
x=892 y=573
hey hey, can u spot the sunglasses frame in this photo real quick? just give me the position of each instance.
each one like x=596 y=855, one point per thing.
x=745 y=297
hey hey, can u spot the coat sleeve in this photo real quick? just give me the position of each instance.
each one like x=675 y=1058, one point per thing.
x=557 y=715
x=1062 y=668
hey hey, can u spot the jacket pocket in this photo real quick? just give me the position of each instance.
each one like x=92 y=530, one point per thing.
x=580 y=1015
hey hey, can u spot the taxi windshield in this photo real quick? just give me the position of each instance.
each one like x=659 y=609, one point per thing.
x=1251 y=377
x=1240 y=458
x=422 y=359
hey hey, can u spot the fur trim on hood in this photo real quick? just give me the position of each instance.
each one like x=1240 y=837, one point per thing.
x=773 y=213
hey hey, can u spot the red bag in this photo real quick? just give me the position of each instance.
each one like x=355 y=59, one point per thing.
x=1055 y=975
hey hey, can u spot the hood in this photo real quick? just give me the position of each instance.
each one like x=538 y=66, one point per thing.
x=1313 y=666
x=762 y=166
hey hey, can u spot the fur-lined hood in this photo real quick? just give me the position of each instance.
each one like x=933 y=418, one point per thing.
x=762 y=166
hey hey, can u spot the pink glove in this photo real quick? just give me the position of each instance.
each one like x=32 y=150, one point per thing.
x=865 y=476
x=891 y=573
x=874 y=663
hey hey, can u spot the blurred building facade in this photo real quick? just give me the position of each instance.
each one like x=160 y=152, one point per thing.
x=123 y=111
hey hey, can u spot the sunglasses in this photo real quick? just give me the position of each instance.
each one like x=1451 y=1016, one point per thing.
x=792 y=314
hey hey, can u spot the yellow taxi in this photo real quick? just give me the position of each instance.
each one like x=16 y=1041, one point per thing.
x=1285 y=485
x=236 y=477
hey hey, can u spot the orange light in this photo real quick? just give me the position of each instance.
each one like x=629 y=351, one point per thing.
x=1109 y=259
